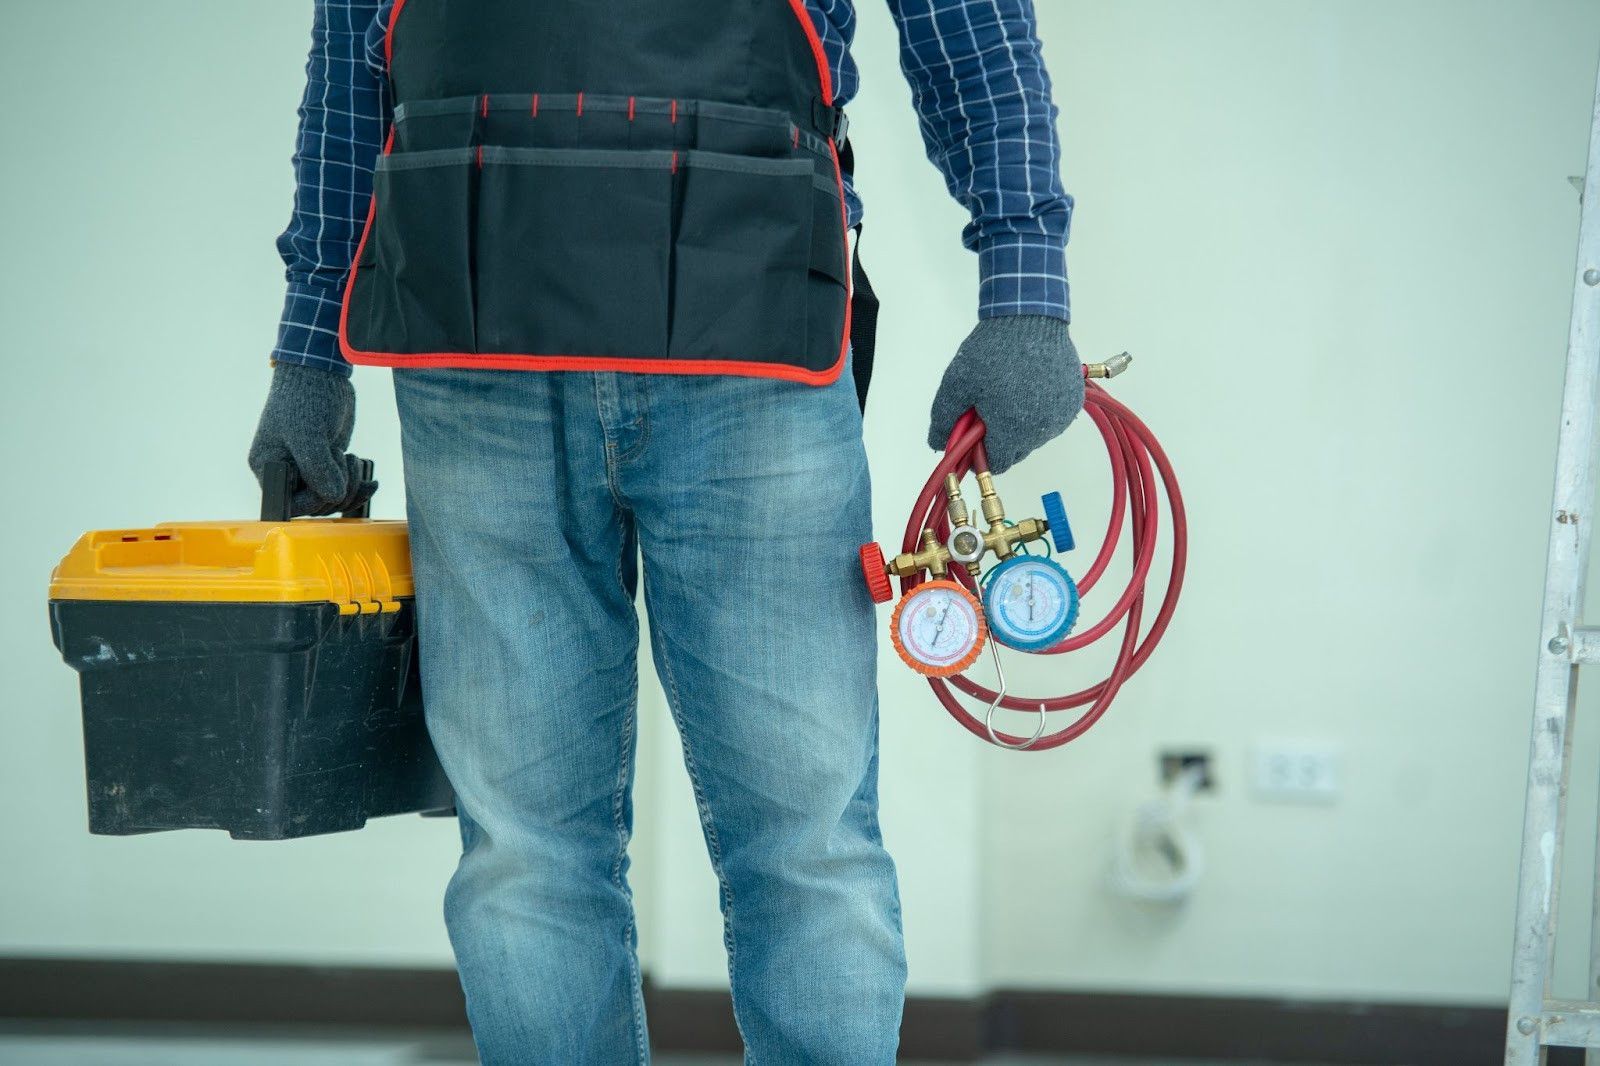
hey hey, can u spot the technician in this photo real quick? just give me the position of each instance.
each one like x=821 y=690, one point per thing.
x=604 y=243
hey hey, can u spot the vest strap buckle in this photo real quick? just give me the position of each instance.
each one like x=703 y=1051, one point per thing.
x=830 y=121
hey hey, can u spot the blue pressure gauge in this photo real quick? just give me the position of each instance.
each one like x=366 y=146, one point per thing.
x=1031 y=602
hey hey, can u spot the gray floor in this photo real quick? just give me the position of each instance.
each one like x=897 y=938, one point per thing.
x=77 y=1045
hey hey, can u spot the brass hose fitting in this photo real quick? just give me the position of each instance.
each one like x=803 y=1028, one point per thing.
x=1110 y=368
x=935 y=553
x=957 y=506
x=930 y=556
x=994 y=512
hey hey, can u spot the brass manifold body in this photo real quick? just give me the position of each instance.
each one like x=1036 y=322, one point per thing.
x=967 y=544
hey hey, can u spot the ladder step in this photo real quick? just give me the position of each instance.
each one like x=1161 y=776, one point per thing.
x=1583 y=648
x=1570 y=1023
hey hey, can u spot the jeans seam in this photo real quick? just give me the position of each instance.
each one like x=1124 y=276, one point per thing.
x=713 y=842
x=621 y=583
x=624 y=761
x=643 y=422
x=641 y=1037
x=609 y=445
x=611 y=481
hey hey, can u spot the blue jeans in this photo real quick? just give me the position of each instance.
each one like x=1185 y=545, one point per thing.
x=530 y=495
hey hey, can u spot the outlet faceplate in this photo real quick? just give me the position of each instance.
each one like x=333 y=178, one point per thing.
x=1297 y=772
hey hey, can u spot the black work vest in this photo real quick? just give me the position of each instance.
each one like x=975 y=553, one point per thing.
x=647 y=185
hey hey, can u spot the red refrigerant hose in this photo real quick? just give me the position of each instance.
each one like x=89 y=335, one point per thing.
x=1136 y=459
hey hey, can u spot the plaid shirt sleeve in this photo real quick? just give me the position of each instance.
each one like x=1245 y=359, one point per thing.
x=344 y=118
x=984 y=100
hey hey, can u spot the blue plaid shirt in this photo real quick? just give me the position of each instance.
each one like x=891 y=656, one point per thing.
x=977 y=79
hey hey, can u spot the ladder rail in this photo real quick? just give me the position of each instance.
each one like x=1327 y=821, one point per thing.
x=1533 y=1018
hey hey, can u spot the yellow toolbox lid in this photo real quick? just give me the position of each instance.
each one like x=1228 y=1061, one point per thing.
x=364 y=566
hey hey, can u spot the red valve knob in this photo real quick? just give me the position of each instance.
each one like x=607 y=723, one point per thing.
x=876 y=573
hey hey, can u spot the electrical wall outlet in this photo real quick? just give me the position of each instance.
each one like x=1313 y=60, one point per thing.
x=1174 y=763
x=1296 y=772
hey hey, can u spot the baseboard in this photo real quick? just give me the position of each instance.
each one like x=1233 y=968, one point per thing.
x=1237 y=1030
x=938 y=1030
x=115 y=990
x=1229 y=1030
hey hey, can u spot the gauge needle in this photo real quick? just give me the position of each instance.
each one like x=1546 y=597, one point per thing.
x=938 y=631
x=1030 y=597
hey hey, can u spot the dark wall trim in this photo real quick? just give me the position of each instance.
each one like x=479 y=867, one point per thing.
x=946 y=1030
x=228 y=993
x=938 y=1030
x=1241 y=1030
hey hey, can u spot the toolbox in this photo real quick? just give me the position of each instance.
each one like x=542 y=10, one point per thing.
x=257 y=677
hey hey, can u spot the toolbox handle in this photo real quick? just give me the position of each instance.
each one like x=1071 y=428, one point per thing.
x=280 y=480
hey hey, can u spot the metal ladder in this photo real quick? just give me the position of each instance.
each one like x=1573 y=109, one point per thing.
x=1536 y=1021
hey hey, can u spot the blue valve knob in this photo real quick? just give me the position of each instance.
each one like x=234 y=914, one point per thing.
x=1055 y=513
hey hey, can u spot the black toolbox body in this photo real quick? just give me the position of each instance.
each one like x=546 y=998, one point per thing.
x=269 y=721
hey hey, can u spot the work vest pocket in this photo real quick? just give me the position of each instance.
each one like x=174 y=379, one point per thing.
x=572 y=253
x=828 y=284
x=741 y=259
x=829 y=256
x=415 y=270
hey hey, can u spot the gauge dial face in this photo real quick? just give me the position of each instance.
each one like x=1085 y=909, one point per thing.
x=1031 y=602
x=938 y=628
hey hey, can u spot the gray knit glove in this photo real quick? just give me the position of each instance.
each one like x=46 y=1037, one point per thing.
x=308 y=420
x=1023 y=375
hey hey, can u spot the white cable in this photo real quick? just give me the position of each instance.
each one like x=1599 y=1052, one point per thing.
x=1157 y=858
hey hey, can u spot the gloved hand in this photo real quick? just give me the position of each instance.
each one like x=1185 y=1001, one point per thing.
x=308 y=420
x=1023 y=375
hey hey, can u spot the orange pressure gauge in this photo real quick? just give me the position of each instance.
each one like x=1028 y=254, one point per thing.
x=938 y=628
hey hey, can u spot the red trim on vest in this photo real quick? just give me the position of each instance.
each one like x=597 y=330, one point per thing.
x=850 y=275
x=824 y=75
x=457 y=361
x=467 y=360
x=388 y=37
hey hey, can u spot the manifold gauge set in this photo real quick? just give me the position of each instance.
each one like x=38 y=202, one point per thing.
x=1026 y=601
x=951 y=607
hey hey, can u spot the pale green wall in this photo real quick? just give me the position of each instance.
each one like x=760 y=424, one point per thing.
x=1336 y=235
x=1341 y=236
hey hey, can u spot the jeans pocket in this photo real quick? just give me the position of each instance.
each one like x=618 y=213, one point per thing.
x=572 y=253
x=741 y=256
x=415 y=270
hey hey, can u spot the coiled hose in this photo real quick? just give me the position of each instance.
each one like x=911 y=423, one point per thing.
x=1136 y=459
